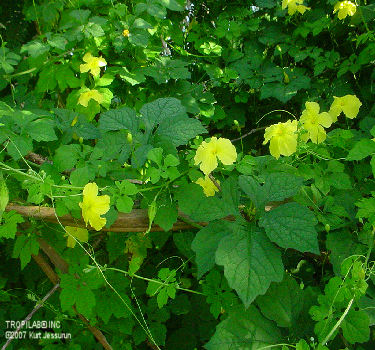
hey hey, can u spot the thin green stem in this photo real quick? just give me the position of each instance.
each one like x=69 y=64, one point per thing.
x=150 y=280
x=370 y=246
x=338 y=322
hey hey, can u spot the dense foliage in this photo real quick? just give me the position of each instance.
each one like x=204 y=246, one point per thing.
x=251 y=121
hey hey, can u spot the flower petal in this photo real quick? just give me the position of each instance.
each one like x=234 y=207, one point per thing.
x=325 y=119
x=208 y=186
x=274 y=147
x=87 y=57
x=351 y=105
x=287 y=145
x=90 y=190
x=225 y=151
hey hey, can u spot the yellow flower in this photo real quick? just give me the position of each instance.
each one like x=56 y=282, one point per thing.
x=282 y=137
x=93 y=64
x=345 y=8
x=314 y=123
x=93 y=206
x=207 y=154
x=208 y=186
x=85 y=97
x=294 y=6
x=126 y=33
x=349 y=104
x=80 y=234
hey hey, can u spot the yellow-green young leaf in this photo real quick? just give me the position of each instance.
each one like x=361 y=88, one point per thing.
x=76 y=232
x=4 y=195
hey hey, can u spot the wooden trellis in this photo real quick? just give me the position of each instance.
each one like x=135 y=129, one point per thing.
x=135 y=221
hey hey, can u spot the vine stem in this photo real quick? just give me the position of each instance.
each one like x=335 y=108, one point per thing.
x=248 y=133
x=338 y=322
x=214 y=181
x=30 y=315
x=151 y=280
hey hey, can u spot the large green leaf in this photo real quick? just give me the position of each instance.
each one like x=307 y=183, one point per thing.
x=194 y=203
x=362 y=149
x=180 y=129
x=277 y=187
x=205 y=245
x=254 y=190
x=244 y=330
x=118 y=119
x=160 y=109
x=251 y=262
x=282 y=303
x=42 y=130
x=356 y=327
x=291 y=225
x=280 y=186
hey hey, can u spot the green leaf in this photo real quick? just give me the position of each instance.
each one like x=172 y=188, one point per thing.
x=183 y=241
x=194 y=203
x=42 y=130
x=160 y=109
x=277 y=187
x=24 y=248
x=106 y=306
x=362 y=149
x=119 y=119
x=139 y=37
x=372 y=163
x=244 y=329
x=174 y=5
x=171 y=160
x=124 y=204
x=139 y=156
x=180 y=129
x=340 y=181
x=356 y=327
x=4 y=196
x=253 y=189
x=141 y=23
x=76 y=292
x=156 y=155
x=163 y=291
x=266 y=3
x=206 y=243
x=280 y=186
x=126 y=187
x=134 y=77
x=35 y=48
x=251 y=262
x=20 y=146
x=282 y=303
x=302 y=345
x=65 y=78
x=113 y=145
x=166 y=216
x=57 y=40
x=291 y=225
x=81 y=176
x=8 y=227
x=81 y=234
x=63 y=162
